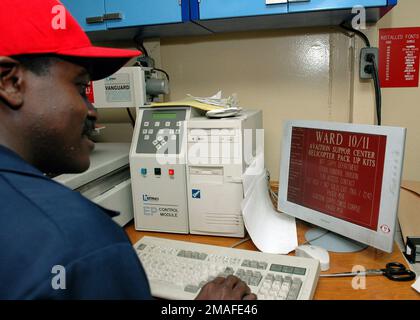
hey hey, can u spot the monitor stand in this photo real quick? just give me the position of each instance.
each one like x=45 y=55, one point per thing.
x=333 y=242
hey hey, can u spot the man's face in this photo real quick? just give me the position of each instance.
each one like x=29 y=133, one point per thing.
x=59 y=119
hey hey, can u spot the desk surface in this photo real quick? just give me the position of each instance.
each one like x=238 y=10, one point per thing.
x=377 y=287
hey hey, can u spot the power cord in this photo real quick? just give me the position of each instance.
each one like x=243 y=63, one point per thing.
x=358 y=32
x=163 y=71
x=240 y=242
x=133 y=122
x=375 y=75
x=372 y=69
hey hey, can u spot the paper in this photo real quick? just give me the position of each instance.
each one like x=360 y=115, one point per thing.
x=187 y=102
x=416 y=285
x=409 y=207
x=217 y=100
x=253 y=172
x=271 y=231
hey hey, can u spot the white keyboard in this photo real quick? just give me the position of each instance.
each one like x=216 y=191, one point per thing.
x=177 y=270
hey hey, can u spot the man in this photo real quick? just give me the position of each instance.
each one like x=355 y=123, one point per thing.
x=55 y=244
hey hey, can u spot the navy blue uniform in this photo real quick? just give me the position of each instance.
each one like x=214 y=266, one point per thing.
x=44 y=224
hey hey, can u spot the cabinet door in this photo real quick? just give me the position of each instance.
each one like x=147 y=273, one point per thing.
x=218 y=9
x=89 y=13
x=320 y=5
x=130 y=13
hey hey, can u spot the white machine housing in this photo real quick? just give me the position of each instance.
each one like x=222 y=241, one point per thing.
x=124 y=89
x=158 y=171
x=107 y=182
x=187 y=169
x=219 y=152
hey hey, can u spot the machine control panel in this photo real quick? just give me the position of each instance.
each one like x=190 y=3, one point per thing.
x=161 y=131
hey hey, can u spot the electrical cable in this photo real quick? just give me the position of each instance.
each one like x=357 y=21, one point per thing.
x=377 y=84
x=358 y=32
x=240 y=242
x=140 y=46
x=133 y=122
x=373 y=71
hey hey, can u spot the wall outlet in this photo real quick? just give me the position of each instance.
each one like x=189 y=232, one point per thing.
x=365 y=64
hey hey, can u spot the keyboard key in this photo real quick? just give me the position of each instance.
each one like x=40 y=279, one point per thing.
x=245 y=263
x=254 y=281
x=191 y=288
x=141 y=246
x=269 y=276
x=287 y=269
x=202 y=256
x=276 y=268
x=299 y=271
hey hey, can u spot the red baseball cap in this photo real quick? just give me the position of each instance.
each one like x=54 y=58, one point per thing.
x=45 y=27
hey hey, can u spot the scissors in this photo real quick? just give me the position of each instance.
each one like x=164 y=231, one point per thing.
x=394 y=271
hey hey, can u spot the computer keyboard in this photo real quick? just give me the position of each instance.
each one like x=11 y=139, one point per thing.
x=177 y=270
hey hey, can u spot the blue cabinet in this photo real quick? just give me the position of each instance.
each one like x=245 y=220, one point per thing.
x=217 y=9
x=95 y=15
x=129 y=13
x=119 y=19
x=89 y=13
x=240 y=15
x=323 y=5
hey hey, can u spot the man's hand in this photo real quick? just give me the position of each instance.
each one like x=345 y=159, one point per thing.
x=230 y=288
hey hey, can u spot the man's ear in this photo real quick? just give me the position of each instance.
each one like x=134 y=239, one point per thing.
x=11 y=78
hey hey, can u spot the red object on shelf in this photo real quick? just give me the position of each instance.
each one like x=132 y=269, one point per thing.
x=171 y=172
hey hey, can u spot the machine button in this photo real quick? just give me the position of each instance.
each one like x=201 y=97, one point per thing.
x=144 y=131
x=143 y=171
x=167 y=124
x=146 y=123
x=158 y=171
x=157 y=124
x=171 y=172
x=146 y=137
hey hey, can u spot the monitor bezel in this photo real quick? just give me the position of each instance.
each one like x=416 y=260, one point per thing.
x=390 y=190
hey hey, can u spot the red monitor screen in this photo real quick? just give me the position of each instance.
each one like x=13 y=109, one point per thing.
x=337 y=173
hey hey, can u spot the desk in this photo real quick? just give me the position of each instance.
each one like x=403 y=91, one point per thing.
x=377 y=287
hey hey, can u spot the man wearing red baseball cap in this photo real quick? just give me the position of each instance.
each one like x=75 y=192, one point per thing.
x=56 y=244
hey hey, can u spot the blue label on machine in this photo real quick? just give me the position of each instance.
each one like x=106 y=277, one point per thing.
x=196 y=194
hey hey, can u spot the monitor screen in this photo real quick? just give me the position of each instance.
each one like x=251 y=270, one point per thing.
x=343 y=177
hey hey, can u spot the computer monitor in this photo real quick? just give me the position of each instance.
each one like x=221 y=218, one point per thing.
x=344 y=178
